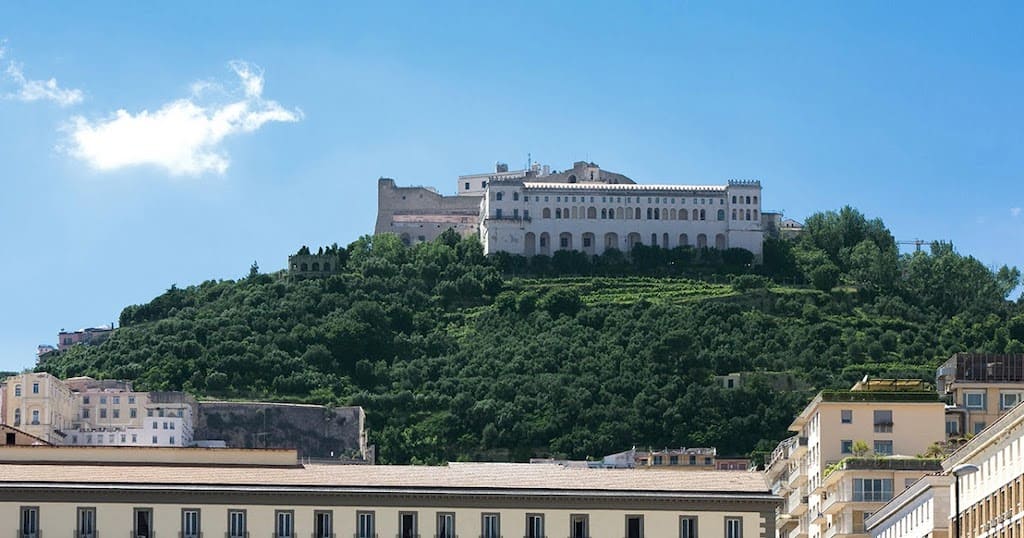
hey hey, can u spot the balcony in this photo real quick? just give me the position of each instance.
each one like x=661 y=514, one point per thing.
x=797 y=477
x=800 y=449
x=882 y=464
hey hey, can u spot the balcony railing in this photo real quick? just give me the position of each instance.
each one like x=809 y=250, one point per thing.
x=886 y=464
x=878 y=396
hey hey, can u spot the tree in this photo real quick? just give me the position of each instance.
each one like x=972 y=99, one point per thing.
x=254 y=270
x=860 y=448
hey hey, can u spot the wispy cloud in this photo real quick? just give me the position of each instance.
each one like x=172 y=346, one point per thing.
x=1015 y=212
x=29 y=90
x=182 y=136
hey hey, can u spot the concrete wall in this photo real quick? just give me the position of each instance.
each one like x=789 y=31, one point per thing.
x=315 y=431
x=418 y=214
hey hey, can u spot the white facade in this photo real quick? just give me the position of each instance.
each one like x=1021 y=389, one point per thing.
x=921 y=511
x=530 y=218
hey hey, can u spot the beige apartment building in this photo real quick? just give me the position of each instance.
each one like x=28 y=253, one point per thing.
x=827 y=485
x=38 y=404
x=979 y=388
x=89 y=492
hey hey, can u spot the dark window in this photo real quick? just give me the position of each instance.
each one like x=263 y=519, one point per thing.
x=883 y=421
x=490 y=525
x=29 y=522
x=733 y=527
x=634 y=526
x=407 y=525
x=467 y=185
x=445 y=525
x=284 y=524
x=846 y=416
x=322 y=524
x=687 y=526
x=579 y=526
x=534 y=525
x=237 y=524
x=365 y=525
x=190 y=523
x=143 y=523
x=86 y=523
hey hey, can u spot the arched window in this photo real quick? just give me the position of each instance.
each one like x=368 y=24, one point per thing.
x=17 y=390
x=604 y=213
x=672 y=213
x=684 y=214
x=755 y=214
x=515 y=196
x=733 y=214
x=638 y=214
x=572 y=178
x=654 y=240
x=316 y=266
x=17 y=417
x=565 y=212
x=684 y=240
x=721 y=214
x=558 y=212
x=703 y=215
x=499 y=195
x=618 y=212
x=657 y=214
x=734 y=198
x=591 y=212
x=650 y=213
x=720 y=242
x=303 y=267
x=575 y=213
x=327 y=266
x=546 y=213
x=748 y=215
x=702 y=241
x=629 y=213
x=696 y=215
x=664 y=241
x=35 y=416
x=748 y=199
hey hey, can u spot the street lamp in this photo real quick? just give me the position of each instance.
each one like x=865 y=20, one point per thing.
x=963 y=469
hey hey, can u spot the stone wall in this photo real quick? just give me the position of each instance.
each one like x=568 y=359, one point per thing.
x=418 y=214
x=315 y=431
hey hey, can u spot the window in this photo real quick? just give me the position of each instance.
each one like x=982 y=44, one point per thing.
x=673 y=460
x=978 y=426
x=35 y=388
x=974 y=400
x=154 y=440
x=172 y=440
x=322 y=524
x=733 y=527
x=117 y=413
x=407 y=525
x=846 y=446
x=135 y=438
x=17 y=391
x=490 y=526
x=85 y=413
x=103 y=400
x=103 y=412
x=29 y=522
x=1009 y=400
x=883 y=421
x=445 y=525
x=86 y=523
x=846 y=416
x=579 y=526
x=657 y=460
x=236 y=524
x=85 y=400
x=190 y=523
x=365 y=525
x=634 y=526
x=534 y=526
x=907 y=482
x=883 y=448
x=35 y=416
x=952 y=427
x=149 y=412
x=872 y=489
x=499 y=195
x=515 y=196
x=131 y=400
x=117 y=400
x=143 y=523
x=156 y=425
x=284 y=524
x=687 y=526
x=17 y=417
x=133 y=412
x=466 y=186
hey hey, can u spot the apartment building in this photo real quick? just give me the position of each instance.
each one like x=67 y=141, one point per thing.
x=38 y=404
x=979 y=388
x=989 y=488
x=921 y=511
x=86 y=411
x=148 y=492
x=827 y=485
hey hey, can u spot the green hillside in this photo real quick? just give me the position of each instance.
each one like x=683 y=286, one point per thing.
x=458 y=356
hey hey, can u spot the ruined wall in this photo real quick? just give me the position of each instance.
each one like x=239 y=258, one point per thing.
x=418 y=214
x=315 y=431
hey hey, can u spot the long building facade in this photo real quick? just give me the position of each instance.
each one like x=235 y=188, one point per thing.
x=90 y=492
x=536 y=211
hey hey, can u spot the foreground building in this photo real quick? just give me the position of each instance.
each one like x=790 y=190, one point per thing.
x=538 y=211
x=150 y=492
x=921 y=511
x=828 y=486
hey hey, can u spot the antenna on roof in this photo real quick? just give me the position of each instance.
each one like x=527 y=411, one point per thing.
x=529 y=161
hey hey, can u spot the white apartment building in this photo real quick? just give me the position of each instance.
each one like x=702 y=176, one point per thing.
x=539 y=211
x=921 y=511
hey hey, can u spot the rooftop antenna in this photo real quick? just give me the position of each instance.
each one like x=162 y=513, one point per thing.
x=529 y=161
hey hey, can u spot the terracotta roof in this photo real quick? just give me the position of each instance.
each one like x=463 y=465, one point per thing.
x=506 y=476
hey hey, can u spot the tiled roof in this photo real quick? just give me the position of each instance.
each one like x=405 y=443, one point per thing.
x=456 y=476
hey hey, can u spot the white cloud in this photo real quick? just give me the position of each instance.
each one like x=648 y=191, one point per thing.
x=1015 y=211
x=182 y=136
x=37 y=90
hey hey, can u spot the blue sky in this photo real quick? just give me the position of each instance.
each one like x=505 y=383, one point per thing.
x=908 y=111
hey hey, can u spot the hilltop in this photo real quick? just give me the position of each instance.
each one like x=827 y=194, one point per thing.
x=456 y=355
